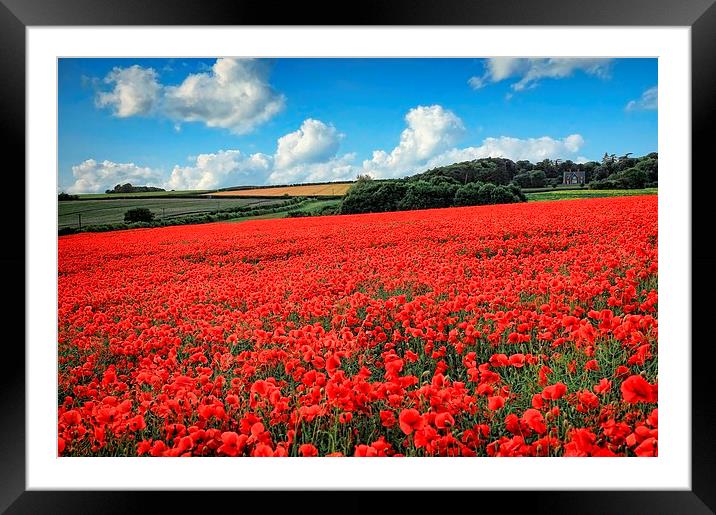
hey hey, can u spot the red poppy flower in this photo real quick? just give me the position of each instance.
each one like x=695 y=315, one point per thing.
x=555 y=391
x=232 y=443
x=444 y=420
x=410 y=420
x=592 y=364
x=647 y=448
x=387 y=418
x=534 y=420
x=603 y=386
x=365 y=451
x=537 y=401
x=587 y=401
x=517 y=360
x=262 y=451
x=637 y=389
x=495 y=403
x=621 y=371
x=308 y=450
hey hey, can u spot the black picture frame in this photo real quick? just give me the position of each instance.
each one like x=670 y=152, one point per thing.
x=16 y=15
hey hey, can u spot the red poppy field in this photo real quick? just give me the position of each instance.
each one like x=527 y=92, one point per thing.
x=510 y=330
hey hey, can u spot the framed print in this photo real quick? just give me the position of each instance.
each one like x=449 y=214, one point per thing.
x=418 y=249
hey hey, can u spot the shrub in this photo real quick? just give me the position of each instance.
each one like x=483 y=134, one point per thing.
x=485 y=194
x=368 y=196
x=468 y=195
x=138 y=214
x=427 y=195
x=517 y=193
x=502 y=195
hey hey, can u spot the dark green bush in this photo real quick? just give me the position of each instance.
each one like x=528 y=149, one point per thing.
x=138 y=214
x=468 y=195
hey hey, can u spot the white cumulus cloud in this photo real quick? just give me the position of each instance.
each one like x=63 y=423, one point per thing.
x=648 y=101
x=339 y=168
x=135 y=91
x=431 y=129
x=220 y=169
x=94 y=177
x=308 y=154
x=516 y=149
x=235 y=95
x=313 y=142
x=529 y=71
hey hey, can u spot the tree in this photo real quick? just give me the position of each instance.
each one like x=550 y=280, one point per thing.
x=538 y=179
x=502 y=195
x=369 y=196
x=468 y=195
x=67 y=196
x=533 y=179
x=138 y=214
x=485 y=193
x=632 y=178
x=517 y=193
x=427 y=195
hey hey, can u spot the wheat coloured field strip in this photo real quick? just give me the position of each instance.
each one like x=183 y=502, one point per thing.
x=308 y=190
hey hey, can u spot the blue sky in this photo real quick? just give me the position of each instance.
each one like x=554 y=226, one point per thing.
x=208 y=123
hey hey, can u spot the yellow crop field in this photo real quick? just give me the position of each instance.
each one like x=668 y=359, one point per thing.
x=307 y=190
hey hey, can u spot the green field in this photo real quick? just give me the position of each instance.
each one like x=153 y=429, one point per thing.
x=317 y=205
x=95 y=212
x=188 y=193
x=586 y=193
x=307 y=207
x=267 y=216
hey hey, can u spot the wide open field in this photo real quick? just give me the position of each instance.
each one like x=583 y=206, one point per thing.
x=304 y=190
x=511 y=330
x=95 y=212
x=141 y=194
x=570 y=194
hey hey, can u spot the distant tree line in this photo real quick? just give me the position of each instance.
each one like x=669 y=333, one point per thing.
x=626 y=172
x=549 y=172
x=432 y=191
x=493 y=180
x=67 y=196
x=128 y=188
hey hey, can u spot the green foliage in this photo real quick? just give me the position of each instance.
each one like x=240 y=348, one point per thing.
x=468 y=195
x=432 y=191
x=625 y=172
x=427 y=195
x=67 y=196
x=531 y=179
x=631 y=178
x=138 y=214
x=128 y=188
x=517 y=192
x=492 y=169
x=369 y=196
